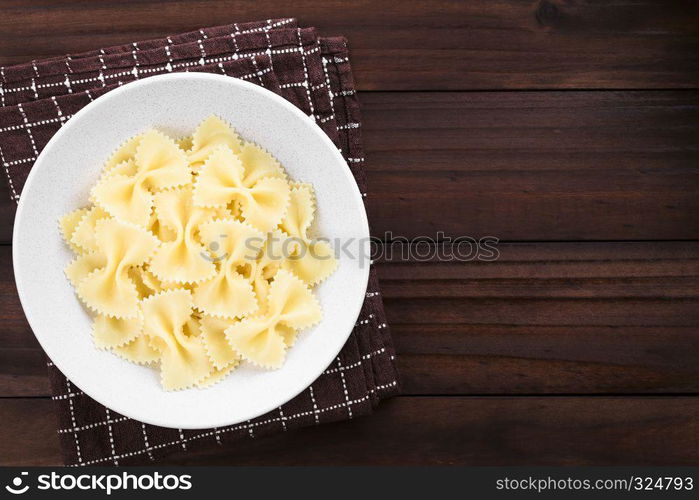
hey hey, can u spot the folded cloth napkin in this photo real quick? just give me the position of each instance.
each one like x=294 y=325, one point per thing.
x=311 y=72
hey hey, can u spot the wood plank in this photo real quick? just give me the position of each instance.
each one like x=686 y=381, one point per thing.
x=534 y=166
x=28 y=433
x=547 y=318
x=412 y=44
x=433 y=431
x=23 y=372
x=527 y=165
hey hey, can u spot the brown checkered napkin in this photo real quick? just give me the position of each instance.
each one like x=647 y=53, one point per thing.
x=314 y=74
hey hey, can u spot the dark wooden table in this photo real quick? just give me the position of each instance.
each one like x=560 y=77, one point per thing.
x=569 y=130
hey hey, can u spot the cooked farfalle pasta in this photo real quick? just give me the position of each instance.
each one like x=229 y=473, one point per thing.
x=68 y=223
x=195 y=255
x=221 y=180
x=183 y=358
x=111 y=332
x=213 y=335
x=83 y=235
x=180 y=260
x=211 y=134
x=228 y=294
x=263 y=339
x=126 y=189
x=311 y=260
x=108 y=289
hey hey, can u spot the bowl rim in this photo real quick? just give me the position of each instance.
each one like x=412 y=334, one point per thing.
x=34 y=173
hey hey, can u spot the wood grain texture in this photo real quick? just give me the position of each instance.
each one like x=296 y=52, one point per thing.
x=527 y=165
x=412 y=44
x=433 y=431
x=534 y=165
x=547 y=318
x=28 y=432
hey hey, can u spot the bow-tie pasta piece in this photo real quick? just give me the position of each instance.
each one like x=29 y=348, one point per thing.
x=83 y=265
x=262 y=270
x=158 y=164
x=108 y=289
x=288 y=334
x=183 y=359
x=211 y=134
x=257 y=164
x=124 y=196
x=299 y=216
x=293 y=302
x=138 y=351
x=310 y=260
x=184 y=259
x=217 y=347
x=110 y=332
x=216 y=376
x=126 y=168
x=258 y=341
x=263 y=340
x=220 y=181
x=84 y=233
x=232 y=244
x=126 y=152
x=161 y=162
x=67 y=225
x=264 y=204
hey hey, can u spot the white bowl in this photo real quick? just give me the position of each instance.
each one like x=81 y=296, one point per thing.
x=60 y=182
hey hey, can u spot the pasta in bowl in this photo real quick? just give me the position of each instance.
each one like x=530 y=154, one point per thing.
x=203 y=249
x=195 y=255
